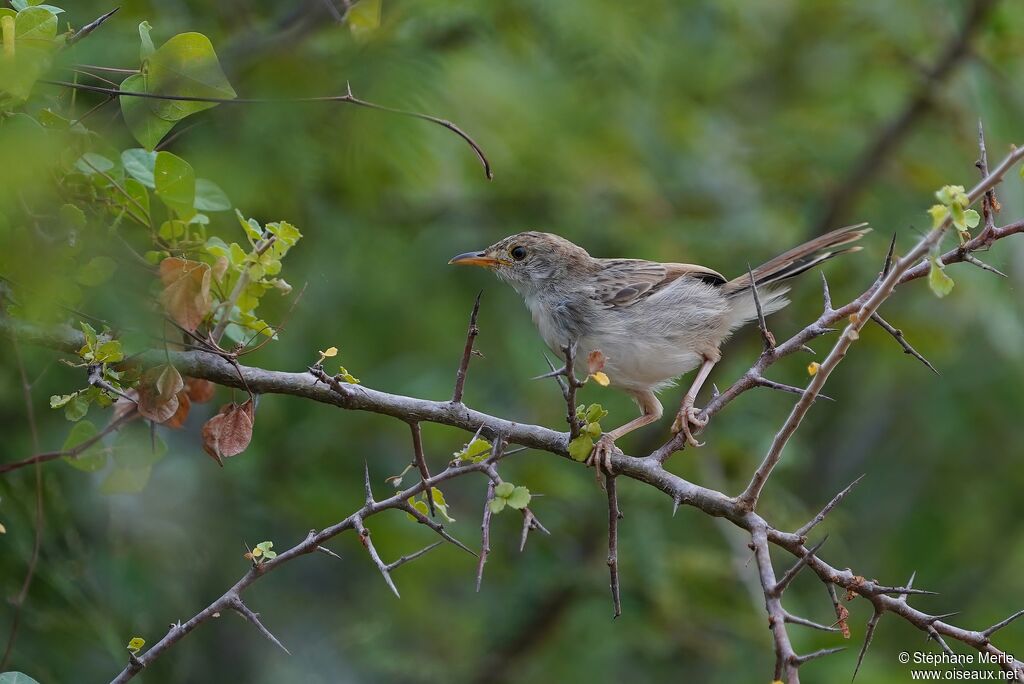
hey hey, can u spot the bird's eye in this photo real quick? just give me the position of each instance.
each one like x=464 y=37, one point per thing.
x=518 y=253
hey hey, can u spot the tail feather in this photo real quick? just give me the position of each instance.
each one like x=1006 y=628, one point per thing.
x=801 y=258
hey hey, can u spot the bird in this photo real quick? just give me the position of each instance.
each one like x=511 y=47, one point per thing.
x=651 y=322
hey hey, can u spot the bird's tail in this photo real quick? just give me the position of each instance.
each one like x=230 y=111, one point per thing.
x=799 y=259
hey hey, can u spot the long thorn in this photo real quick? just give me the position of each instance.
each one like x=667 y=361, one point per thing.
x=868 y=635
x=897 y=334
x=999 y=625
x=239 y=606
x=887 y=266
x=971 y=259
x=790 y=574
x=413 y=556
x=803 y=531
x=90 y=27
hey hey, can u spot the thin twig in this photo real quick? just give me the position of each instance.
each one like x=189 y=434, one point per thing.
x=613 y=543
x=38 y=521
x=421 y=463
x=347 y=98
x=467 y=352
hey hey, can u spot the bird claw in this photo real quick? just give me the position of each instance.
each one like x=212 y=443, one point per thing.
x=601 y=457
x=689 y=414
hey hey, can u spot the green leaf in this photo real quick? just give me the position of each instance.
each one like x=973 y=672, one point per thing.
x=93 y=458
x=580 y=448
x=440 y=504
x=16 y=678
x=139 y=208
x=504 y=490
x=938 y=213
x=77 y=407
x=109 y=352
x=593 y=429
x=286 y=233
x=61 y=400
x=497 y=504
x=186 y=66
x=419 y=505
x=90 y=163
x=172 y=230
x=72 y=216
x=146 y=48
x=96 y=271
x=144 y=124
x=35 y=26
x=135 y=644
x=175 y=184
x=251 y=227
x=364 y=17
x=595 y=412
x=940 y=283
x=140 y=164
x=125 y=481
x=519 y=498
x=90 y=335
x=267 y=550
x=971 y=218
x=476 y=451
x=209 y=196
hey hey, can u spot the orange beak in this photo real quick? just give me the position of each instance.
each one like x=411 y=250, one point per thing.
x=474 y=259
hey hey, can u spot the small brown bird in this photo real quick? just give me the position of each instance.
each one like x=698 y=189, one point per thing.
x=653 y=322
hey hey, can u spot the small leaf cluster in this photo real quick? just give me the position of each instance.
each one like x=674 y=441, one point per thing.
x=508 y=494
x=342 y=373
x=256 y=268
x=590 y=417
x=954 y=202
x=135 y=644
x=99 y=352
x=477 y=450
x=261 y=553
x=419 y=502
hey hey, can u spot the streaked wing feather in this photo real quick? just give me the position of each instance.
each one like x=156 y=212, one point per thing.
x=623 y=282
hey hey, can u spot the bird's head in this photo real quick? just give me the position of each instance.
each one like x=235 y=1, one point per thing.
x=529 y=261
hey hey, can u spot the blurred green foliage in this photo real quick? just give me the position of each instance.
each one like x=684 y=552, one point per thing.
x=708 y=132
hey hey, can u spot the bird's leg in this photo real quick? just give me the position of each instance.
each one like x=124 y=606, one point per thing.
x=687 y=412
x=650 y=411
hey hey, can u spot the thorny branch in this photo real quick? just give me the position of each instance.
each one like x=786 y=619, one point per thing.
x=650 y=470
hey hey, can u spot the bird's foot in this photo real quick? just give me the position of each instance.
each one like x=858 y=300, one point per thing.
x=601 y=457
x=688 y=415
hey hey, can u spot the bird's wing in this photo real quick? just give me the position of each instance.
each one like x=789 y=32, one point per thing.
x=622 y=282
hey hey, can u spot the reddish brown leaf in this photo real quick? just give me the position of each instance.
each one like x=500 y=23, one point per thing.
x=184 y=405
x=595 y=362
x=229 y=432
x=186 y=293
x=220 y=267
x=199 y=391
x=123 y=407
x=158 y=393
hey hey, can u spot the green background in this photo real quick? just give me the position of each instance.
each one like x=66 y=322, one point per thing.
x=709 y=132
